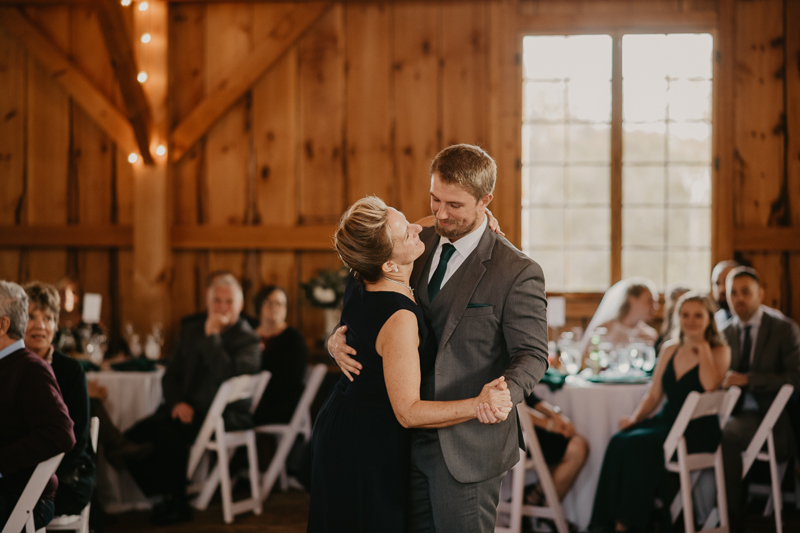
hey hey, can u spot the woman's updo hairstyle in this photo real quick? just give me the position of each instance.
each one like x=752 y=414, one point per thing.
x=363 y=239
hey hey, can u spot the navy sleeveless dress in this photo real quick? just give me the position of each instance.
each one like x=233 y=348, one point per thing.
x=361 y=453
x=633 y=473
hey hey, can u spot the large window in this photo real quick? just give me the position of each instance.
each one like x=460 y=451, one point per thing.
x=651 y=143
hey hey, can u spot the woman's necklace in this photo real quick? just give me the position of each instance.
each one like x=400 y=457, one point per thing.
x=400 y=283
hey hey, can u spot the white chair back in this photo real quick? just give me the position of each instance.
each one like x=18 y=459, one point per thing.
x=22 y=515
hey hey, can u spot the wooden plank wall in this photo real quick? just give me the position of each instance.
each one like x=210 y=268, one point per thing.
x=358 y=105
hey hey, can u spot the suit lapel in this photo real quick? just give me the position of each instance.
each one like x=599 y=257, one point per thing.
x=472 y=274
x=761 y=339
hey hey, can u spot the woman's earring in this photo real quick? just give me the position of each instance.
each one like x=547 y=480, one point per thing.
x=396 y=269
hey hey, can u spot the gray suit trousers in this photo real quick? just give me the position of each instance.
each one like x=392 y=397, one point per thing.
x=439 y=503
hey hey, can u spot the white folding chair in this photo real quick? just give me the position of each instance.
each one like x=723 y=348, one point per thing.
x=22 y=515
x=214 y=438
x=516 y=508
x=687 y=466
x=754 y=453
x=287 y=433
x=78 y=522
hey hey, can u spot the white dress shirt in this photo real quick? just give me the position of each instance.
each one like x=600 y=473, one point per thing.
x=11 y=348
x=464 y=246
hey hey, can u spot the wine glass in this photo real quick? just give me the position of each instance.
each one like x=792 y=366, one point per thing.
x=649 y=358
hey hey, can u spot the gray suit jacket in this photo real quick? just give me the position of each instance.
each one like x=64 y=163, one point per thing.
x=776 y=359
x=490 y=320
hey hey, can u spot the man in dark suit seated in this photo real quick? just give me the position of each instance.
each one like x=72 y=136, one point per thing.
x=212 y=347
x=765 y=355
x=34 y=422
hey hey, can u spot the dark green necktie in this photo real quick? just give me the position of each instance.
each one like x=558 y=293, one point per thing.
x=747 y=347
x=435 y=284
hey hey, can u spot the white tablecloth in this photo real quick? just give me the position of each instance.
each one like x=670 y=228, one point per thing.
x=132 y=396
x=595 y=410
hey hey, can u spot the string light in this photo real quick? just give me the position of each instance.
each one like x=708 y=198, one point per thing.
x=133 y=158
x=125 y=3
x=145 y=38
x=143 y=6
x=161 y=150
x=142 y=77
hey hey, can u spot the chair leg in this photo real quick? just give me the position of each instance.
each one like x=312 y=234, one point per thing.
x=252 y=460
x=722 y=497
x=223 y=463
x=777 y=495
x=686 y=488
x=208 y=490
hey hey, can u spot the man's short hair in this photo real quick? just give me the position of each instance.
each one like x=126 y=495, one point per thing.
x=467 y=166
x=741 y=272
x=226 y=279
x=719 y=267
x=14 y=305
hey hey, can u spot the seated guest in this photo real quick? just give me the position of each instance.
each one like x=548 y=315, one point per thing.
x=624 y=312
x=77 y=468
x=34 y=422
x=564 y=450
x=211 y=348
x=765 y=355
x=718 y=291
x=695 y=359
x=284 y=354
x=668 y=324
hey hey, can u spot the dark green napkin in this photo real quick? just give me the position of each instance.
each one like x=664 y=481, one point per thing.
x=553 y=379
x=137 y=364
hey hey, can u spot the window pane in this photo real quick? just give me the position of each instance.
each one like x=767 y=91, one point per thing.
x=649 y=264
x=689 y=184
x=552 y=264
x=642 y=226
x=589 y=100
x=644 y=56
x=642 y=184
x=690 y=55
x=588 y=270
x=545 y=227
x=542 y=185
x=644 y=99
x=544 y=100
x=543 y=57
x=543 y=143
x=690 y=142
x=588 y=227
x=588 y=185
x=590 y=144
x=689 y=100
x=689 y=226
x=588 y=56
x=690 y=267
x=643 y=142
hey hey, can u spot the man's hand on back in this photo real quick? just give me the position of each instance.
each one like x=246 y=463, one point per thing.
x=341 y=352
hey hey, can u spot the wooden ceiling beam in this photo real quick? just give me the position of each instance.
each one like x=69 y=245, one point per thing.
x=227 y=91
x=104 y=113
x=120 y=49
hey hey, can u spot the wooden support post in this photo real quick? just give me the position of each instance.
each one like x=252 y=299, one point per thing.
x=151 y=248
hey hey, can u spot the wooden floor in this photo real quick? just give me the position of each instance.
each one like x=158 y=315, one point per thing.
x=288 y=513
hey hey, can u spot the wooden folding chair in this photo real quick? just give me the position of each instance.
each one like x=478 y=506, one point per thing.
x=22 y=515
x=517 y=508
x=687 y=466
x=214 y=438
x=78 y=522
x=287 y=433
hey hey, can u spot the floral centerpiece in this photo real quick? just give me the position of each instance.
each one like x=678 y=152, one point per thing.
x=326 y=291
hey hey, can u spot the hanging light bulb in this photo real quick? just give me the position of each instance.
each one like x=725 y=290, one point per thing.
x=125 y=3
x=143 y=6
x=133 y=158
x=142 y=77
x=145 y=38
x=161 y=150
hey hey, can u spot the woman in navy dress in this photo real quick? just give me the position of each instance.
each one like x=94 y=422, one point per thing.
x=696 y=359
x=361 y=444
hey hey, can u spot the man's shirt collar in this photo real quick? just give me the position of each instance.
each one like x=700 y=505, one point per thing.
x=13 y=347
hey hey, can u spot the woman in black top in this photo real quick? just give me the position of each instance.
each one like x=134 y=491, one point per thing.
x=284 y=354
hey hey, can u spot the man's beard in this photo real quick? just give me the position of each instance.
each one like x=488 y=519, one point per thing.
x=455 y=232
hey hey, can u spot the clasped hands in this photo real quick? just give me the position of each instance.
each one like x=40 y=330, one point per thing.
x=494 y=401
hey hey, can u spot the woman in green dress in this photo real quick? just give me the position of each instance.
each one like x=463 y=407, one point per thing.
x=633 y=474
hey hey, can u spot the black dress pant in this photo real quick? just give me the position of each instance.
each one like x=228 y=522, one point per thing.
x=164 y=471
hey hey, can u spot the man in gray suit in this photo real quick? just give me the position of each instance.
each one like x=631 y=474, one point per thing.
x=765 y=355
x=486 y=302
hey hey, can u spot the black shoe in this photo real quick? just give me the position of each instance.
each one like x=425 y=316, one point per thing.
x=171 y=512
x=129 y=450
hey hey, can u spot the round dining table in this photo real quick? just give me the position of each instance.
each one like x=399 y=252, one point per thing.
x=595 y=409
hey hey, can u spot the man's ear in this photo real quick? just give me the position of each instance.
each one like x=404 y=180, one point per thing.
x=760 y=294
x=486 y=200
x=5 y=323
